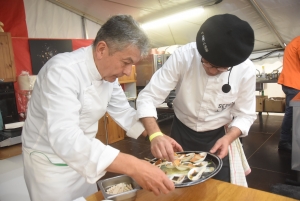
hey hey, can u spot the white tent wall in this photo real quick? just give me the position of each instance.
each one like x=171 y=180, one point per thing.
x=275 y=22
x=47 y=20
x=284 y=15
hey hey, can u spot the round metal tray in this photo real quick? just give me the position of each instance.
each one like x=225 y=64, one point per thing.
x=214 y=160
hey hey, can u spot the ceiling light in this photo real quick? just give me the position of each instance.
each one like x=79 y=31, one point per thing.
x=173 y=18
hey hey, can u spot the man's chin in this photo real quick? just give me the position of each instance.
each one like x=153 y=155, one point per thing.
x=110 y=79
x=212 y=74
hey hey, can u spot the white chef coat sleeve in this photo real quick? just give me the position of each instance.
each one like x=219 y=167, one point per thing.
x=123 y=114
x=161 y=84
x=89 y=157
x=243 y=110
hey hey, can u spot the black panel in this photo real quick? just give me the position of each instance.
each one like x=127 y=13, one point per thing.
x=42 y=50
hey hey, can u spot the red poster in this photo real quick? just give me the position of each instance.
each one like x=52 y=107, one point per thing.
x=12 y=15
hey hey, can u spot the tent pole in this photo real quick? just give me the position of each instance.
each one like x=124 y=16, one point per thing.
x=268 y=22
x=85 y=33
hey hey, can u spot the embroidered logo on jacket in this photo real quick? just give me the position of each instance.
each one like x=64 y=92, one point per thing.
x=222 y=107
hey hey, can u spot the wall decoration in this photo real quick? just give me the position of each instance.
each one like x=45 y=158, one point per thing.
x=23 y=60
x=42 y=50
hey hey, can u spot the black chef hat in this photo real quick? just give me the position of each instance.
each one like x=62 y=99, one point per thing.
x=225 y=40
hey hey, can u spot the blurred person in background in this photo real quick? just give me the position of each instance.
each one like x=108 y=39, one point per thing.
x=290 y=80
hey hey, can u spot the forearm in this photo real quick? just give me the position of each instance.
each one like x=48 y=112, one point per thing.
x=243 y=123
x=150 y=125
x=162 y=146
x=123 y=164
x=232 y=134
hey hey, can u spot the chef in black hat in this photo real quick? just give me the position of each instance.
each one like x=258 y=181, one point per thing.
x=215 y=89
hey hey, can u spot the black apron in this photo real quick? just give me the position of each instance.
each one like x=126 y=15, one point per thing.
x=191 y=140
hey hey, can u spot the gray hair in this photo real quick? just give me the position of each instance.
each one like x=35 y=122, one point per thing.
x=121 y=31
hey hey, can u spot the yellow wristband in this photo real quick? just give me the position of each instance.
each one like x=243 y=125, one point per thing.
x=154 y=135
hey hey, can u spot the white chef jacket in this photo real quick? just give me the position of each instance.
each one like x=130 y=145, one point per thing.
x=68 y=99
x=200 y=102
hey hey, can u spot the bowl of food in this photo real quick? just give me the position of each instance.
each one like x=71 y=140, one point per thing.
x=119 y=188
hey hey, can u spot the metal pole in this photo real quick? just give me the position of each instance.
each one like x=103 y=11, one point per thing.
x=85 y=33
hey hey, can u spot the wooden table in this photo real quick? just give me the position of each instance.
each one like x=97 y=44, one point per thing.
x=210 y=190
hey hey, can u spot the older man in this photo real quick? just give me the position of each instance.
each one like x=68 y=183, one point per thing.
x=62 y=158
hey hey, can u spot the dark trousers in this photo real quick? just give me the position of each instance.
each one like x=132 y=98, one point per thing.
x=191 y=140
x=286 y=127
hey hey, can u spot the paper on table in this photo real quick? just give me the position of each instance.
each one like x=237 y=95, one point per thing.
x=163 y=105
x=14 y=125
x=80 y=199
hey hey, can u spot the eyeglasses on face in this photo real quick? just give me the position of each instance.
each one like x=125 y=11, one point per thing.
x=209 y=65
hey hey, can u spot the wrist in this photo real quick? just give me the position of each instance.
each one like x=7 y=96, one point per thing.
x=154 y=135
x=232 y=134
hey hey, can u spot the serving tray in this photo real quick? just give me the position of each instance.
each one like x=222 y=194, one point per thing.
x=212 y=159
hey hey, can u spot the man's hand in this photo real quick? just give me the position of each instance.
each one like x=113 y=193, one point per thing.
x=161 y=146
x=152 y=178
x=164 y=147
x=221 y=146
x=148 y=176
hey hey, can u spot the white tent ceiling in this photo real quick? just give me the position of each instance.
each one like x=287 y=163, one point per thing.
x=275 y=22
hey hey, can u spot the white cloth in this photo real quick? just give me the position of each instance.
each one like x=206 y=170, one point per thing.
x=68 y=99
x=200 y=103
x=239 y=167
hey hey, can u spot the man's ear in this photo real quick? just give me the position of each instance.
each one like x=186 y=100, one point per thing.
x=101 y=49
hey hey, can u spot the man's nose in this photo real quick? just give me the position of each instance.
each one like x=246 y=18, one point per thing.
x=127 y=70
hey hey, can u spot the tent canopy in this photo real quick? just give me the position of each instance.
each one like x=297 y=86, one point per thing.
x=275 y=22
